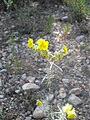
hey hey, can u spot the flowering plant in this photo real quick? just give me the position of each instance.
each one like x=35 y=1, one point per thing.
x=41 y=46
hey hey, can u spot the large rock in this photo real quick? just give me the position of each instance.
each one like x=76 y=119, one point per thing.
x=30 y=86
x=73 y=99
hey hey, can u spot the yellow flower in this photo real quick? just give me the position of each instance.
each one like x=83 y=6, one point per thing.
x=30 y=43
x=71 y=114
x=67 y=108
x=70 y=111
x=38 y=102
x=65 y=49
x=42 y=44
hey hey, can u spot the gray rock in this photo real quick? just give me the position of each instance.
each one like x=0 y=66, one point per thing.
x=62 y=93
x=80 y=38
x=64 y=19
x=23 y=77
x=28 y=118
x=1 y=96
x=1 y=66
x=76 y=91
x=30 y=86
x=39 y=112
x=73 y=99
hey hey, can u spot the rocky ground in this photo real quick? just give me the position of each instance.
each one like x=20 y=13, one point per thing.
x=21 y=73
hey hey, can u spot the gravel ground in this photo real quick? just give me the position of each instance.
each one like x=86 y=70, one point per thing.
x=19 y=66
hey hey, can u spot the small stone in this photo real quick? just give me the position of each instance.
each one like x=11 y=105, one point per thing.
x=80 y=38
x=76 y=91
x=3 y=70
x=66 y=81
x=64 y=19
x=1 y=96
x=62 y=93
x=30 y=86
x=30 y=79
x=0 y=83
x=1 y=39
x=87 y=61
x=28 y=118
x=18 y=118
x=37 y=82
x=1 y=66
x=39 y=112
x=51 y=97
x=73 y=99
x=23 y=77
x=17 y=91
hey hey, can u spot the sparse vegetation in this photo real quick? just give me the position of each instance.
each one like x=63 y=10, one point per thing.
x=77 y=8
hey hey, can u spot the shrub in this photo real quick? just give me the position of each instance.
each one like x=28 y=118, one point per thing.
x=77 y=8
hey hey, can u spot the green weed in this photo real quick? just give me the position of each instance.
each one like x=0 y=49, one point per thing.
x=48 y=24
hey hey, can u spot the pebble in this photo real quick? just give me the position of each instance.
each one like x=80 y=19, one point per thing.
x=73 y=99
x=0 y=83
x=76 y=91
x=23 y=77
x=39 y=112
x=64 y=19
x=62 y=93
x=1 y=96
x=37 y=82
x=66 y=81
x=51 y=97
x=3 y=70
x=80 y=38
x=28 y=118
x=17 y=91
x=30 y=86
x=30 y=79
x=1 y=39
x=1 y=66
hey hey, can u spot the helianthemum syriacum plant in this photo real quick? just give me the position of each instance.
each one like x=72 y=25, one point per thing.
x=41 y=47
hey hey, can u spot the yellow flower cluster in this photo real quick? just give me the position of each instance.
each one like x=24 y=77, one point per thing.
x=70 y=111
x=38 y=102
x=30 y=43
x=41 y=47
x=41 y=44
